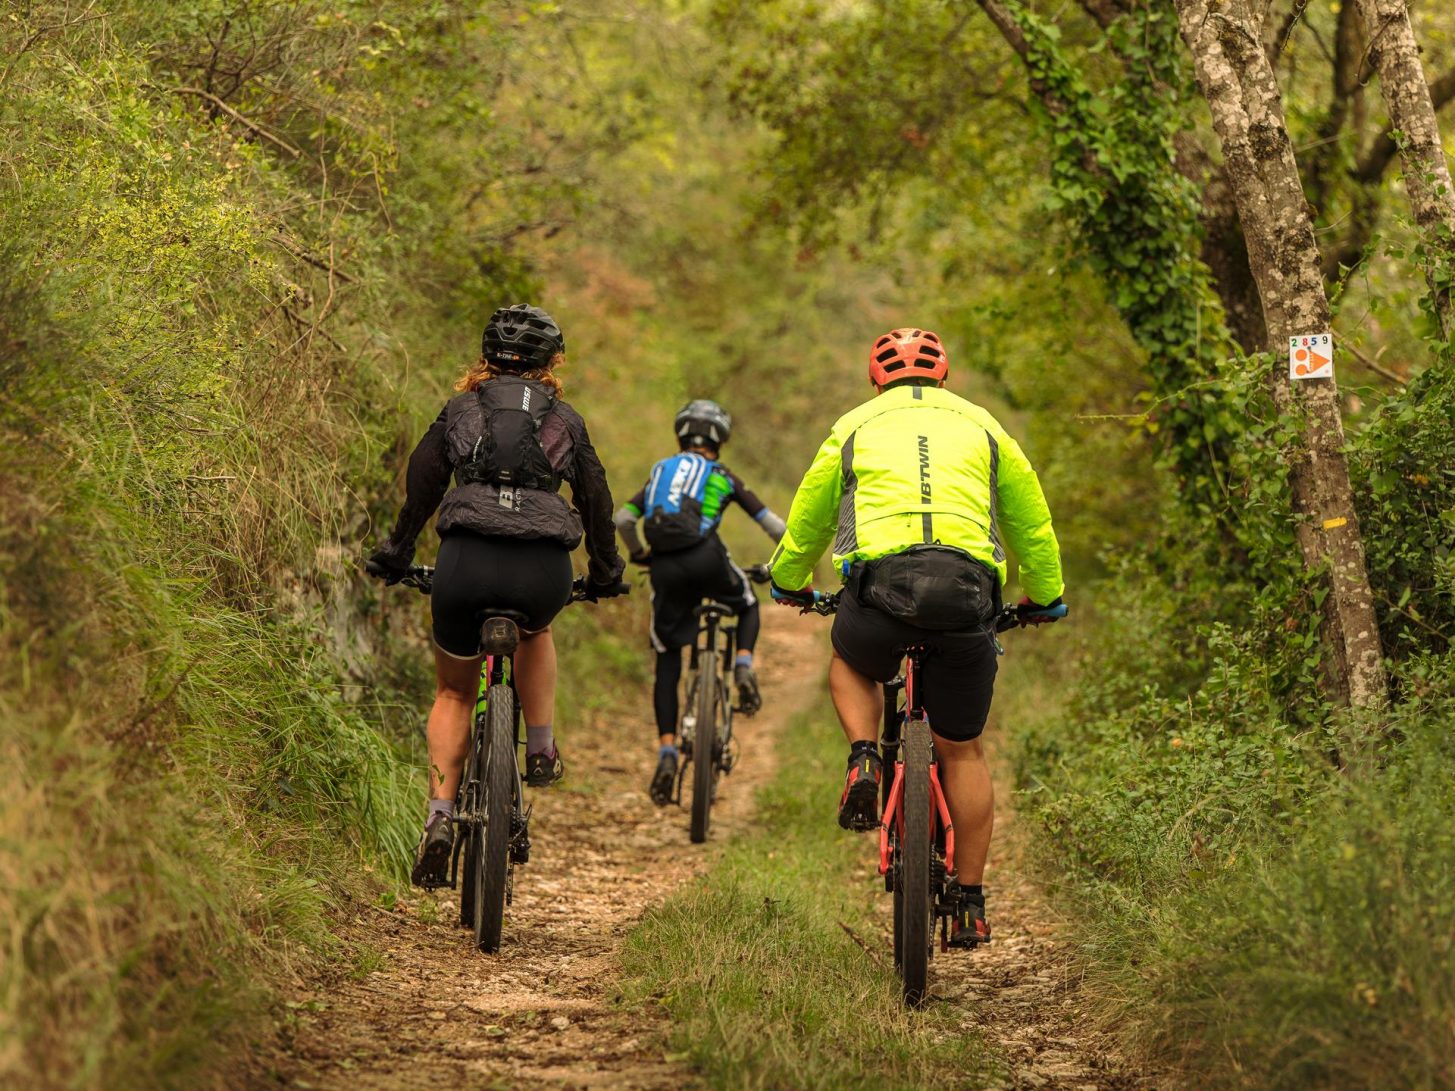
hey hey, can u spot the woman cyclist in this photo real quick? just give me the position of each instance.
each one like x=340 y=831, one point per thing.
x=506 y=537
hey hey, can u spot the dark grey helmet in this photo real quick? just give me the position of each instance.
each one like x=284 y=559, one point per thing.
x=703 y=423
x=521 y=337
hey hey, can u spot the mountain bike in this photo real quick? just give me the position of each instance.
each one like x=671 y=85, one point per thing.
x=492 y=827
x=706 y=734
x=916 y=836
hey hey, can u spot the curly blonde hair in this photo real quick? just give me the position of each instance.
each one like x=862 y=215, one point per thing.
x=482 y=371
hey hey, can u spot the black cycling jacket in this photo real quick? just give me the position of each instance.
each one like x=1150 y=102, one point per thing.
x=476 y=508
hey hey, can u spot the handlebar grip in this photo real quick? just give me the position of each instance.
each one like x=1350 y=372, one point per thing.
x=1058 y=611
x=806 y=597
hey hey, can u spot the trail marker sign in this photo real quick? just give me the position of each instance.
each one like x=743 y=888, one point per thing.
x=1311 y=356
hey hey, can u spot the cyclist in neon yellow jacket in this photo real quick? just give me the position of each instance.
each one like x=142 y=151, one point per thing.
x=917 y=490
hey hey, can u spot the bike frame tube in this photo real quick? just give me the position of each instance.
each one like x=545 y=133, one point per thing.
x=893 y=812
x=943 y=808
x=708 y=642
x=486 y=670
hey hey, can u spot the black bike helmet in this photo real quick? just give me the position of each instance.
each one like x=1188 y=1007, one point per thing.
x=521 y=337
x=702 y=423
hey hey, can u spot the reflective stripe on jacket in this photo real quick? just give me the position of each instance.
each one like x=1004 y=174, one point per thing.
x=913 y=466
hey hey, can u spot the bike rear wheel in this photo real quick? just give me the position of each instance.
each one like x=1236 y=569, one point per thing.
x=498 y=782
x=915 y=908
x=704 y=761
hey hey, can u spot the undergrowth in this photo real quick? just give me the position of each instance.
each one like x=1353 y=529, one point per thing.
x=202 y=346
x=1262 y=903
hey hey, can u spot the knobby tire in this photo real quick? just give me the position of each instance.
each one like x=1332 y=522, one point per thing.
x=704 y=761
x=492 y=840
x=914 y=921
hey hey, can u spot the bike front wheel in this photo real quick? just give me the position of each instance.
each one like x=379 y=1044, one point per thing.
x=491 y=842
x=914 y=907
x=704 y=760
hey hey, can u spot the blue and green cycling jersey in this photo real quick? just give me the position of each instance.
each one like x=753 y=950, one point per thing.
x=692 y=481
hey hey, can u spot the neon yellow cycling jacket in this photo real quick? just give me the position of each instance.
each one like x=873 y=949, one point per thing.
x=917 y=465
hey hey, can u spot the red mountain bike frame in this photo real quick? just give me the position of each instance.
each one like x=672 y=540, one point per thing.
x=893 y=818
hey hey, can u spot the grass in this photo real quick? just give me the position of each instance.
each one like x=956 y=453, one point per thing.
x=763 y=985
x=1249 y=917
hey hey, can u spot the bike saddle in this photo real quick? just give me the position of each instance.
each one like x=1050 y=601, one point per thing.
x=500 y=634
x=710 y=608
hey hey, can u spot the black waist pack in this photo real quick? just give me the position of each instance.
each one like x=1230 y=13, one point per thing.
x=932 y=587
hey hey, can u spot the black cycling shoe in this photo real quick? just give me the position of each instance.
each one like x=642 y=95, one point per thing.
x=543 y=770
x=663 y=780
x=859 y=807
x=749 y=699
x=432 y=857
x=969 y=929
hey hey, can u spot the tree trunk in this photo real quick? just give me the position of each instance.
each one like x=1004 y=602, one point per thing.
x=1238 y=82
x=1396 y=57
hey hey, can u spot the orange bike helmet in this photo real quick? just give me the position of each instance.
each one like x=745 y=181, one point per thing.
x=907 y=354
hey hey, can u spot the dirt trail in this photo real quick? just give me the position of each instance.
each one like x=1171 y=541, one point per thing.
x=541 y=1014
x=1022 y=992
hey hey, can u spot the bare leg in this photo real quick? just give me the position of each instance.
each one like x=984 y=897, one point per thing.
x=965 y=776
x=858 y=700
x=535 y=677
x=457 y=681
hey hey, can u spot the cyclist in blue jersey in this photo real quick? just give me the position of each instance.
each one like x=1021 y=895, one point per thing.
x=679 y=510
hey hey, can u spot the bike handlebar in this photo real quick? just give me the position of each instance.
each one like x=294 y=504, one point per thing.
x=1020 y=615
x=1010 y=617
x=421 y=578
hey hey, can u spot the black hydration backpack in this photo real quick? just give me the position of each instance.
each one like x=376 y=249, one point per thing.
x=509 y=452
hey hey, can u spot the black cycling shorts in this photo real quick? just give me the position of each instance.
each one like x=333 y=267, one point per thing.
x=682 y=579
x=475 y=575
x=958 y=676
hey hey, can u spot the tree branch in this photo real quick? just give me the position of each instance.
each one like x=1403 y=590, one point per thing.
x=1103 y=12
x=1375 y=366
x=1015 y=37
x=1279 y=42
x=245 y=122
x=1376 y=161
x=1347 y=64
